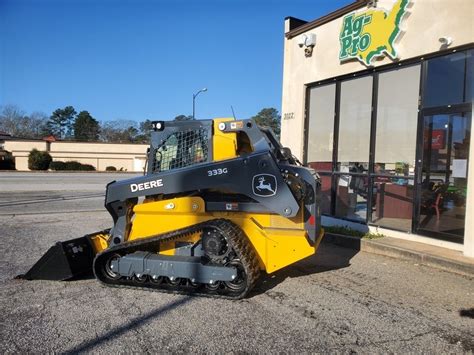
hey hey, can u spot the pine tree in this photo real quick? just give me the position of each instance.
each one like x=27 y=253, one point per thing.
x=86 y=127
x=269 y=117
x=61 y=122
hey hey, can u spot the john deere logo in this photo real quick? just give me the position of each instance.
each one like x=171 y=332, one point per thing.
x=264 y=185
x=372 y=33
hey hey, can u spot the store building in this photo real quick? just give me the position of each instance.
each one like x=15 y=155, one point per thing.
x=377 y=98
x=123 y=157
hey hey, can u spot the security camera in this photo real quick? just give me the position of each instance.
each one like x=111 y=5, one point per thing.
x=372 y=3
x=445 y=40
x=301 y=41
x=310 y=40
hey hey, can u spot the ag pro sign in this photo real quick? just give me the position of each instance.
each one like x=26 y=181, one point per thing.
x=367 y=35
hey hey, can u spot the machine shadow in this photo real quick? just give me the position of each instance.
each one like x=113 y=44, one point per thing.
x=84 y=276
x=468 y=312
x=328 y=257
x=135 y=323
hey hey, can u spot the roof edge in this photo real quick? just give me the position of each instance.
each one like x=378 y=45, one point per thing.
x=357 y=4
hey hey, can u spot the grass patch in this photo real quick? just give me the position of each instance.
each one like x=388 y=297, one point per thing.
x=370 y=235
x=343 y=230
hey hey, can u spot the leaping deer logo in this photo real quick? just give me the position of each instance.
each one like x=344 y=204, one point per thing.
x=264 y=187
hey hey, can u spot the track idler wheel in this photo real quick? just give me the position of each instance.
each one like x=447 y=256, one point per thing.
x=239 y=284
x=108 y=270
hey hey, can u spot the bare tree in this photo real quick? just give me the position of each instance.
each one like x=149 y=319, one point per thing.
x=16 y=122
x=119 y=131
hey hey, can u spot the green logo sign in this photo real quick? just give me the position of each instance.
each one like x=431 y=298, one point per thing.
x=369 y=34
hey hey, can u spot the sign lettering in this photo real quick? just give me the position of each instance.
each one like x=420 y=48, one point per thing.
x=146 y=185
x=369 y=34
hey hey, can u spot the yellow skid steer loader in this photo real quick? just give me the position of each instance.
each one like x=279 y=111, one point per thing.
x=221 y=201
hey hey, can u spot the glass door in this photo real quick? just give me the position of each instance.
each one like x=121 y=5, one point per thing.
x=443 y=184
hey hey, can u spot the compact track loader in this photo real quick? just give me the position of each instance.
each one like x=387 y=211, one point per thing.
x=221 y=201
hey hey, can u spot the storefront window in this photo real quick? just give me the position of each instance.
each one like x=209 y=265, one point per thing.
x=351 y=198
x=354 y=124
x=392 y=202
x=469 y=75
x=386 y=195
x=326 y=182
x=321 y=126
x=397 y=117
x=445 y=84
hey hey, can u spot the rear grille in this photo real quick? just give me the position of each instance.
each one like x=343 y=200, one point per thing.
x=181 y=149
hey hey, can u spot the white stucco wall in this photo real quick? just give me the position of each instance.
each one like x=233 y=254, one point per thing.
x=422 y=26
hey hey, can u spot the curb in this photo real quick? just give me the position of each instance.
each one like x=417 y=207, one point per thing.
x=377 y=247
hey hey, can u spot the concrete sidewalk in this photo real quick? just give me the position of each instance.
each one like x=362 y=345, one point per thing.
x=420 y=253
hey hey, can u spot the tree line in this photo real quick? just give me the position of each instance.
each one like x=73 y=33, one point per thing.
x=68 y=124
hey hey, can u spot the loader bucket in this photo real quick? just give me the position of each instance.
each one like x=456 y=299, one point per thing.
x=63 y=261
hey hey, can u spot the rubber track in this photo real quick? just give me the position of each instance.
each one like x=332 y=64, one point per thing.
x=234 y=235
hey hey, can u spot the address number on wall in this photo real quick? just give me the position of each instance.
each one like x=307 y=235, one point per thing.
x=288 y=115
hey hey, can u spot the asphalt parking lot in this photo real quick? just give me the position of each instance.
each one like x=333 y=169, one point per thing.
x=336 y=301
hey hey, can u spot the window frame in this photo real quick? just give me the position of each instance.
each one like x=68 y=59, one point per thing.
x=422 y=112
x=307 y=118
x=338 y=118
x=371 y=176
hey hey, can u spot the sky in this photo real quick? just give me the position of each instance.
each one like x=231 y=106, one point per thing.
x=144 y=59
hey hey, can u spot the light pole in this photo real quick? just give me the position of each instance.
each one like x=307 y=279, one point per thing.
x=194 y=100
